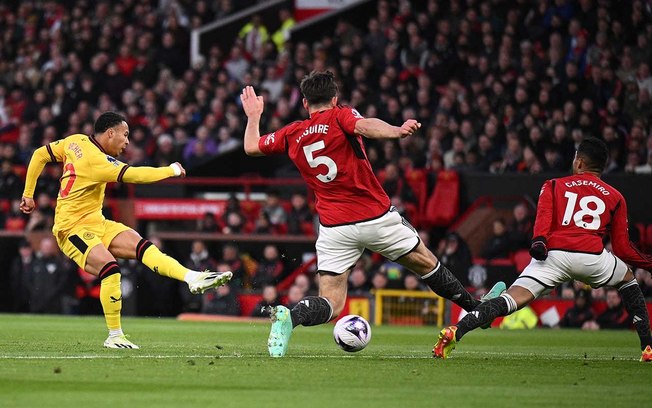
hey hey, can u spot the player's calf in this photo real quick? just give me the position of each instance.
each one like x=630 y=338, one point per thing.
x=485 y=313
x=312 y=311
x=446 y=285
x=635 y=305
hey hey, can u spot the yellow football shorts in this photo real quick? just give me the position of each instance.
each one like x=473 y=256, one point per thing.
x=78 y=242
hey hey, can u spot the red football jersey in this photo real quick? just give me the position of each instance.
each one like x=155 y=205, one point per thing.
x=576 y=212
x=332 y=161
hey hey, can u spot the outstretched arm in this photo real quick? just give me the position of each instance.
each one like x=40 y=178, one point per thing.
x=145 y=175
x=253 y=106
x=41 y=156
x=374 y=128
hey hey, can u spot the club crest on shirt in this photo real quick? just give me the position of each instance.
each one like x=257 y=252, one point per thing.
x=113 y=160
x=88 y=235
x=269 y=139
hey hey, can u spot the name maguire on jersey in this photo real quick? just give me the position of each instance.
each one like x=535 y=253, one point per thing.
x=332 y=161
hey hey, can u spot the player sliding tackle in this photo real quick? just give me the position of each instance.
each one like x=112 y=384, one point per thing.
x=81 y=231
x=354 y=211
x=573 y=215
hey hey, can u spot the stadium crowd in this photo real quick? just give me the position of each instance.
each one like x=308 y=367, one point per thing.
x=499 y=86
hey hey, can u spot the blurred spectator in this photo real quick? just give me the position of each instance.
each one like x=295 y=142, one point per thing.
x=270 y=268
x=295 y=294
x=300 y=217
x=15 y=219
x=455 y=254
x=358 y=283
x=394 y=272
x=282 y=35
x=157 y=295
x=11 y=187
x=274 y=210
x=198 y=260
x=18 y=274
x=270 y=299
x=221 y=300
x=499 y=245
x=395 y=185
x=42 y=218
x=615 y=317
x=520 y=229
x=50 y=281
x=644 y=279
x=262 y=224
x=303 y=282
x=226 y=142
x=379 y=280
x=235 y=223
x=580 y=313
x=231 y=257
x=254 y=34
x=208 y=223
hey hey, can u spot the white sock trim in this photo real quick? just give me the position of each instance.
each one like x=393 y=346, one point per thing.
x=115 y=332
x=511 y=303
x=429 y=274
x=628 y=284
x=190 y=276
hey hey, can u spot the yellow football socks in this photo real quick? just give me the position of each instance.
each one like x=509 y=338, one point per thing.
x=159 y=262
x=111 y=295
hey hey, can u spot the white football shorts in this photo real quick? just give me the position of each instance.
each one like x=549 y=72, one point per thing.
x=541 y=277
x=339 y=248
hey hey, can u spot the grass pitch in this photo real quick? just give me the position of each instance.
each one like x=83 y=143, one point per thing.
x=59 y=362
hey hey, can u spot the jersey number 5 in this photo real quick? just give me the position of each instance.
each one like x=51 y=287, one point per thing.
x=316 y=161
x=578 y=217
x=70 y=170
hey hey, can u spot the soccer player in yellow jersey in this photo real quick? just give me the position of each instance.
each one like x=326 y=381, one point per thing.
x=81 y=231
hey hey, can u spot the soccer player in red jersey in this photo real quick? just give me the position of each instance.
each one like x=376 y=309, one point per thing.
x=573 y=216
x=354 y=211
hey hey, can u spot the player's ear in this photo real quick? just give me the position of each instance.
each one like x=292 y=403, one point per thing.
x=305 y=104
x=334 y=100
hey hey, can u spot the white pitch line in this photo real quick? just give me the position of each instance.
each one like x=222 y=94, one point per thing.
x=511 y=356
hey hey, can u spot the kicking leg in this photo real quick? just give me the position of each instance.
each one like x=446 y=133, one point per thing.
x=438 y=277
x=635 y=305
x=485 y=313
x=130 y=245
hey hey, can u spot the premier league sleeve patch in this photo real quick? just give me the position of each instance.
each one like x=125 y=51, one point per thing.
x=113 y=160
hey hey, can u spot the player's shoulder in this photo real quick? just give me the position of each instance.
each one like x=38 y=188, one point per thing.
x=292 y=127
x=346 y=109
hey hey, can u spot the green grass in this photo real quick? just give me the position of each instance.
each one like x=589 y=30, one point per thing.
x=59 y=362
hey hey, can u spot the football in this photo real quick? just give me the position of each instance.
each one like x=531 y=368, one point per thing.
x=352 y=333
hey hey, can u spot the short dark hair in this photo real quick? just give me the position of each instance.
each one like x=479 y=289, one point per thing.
x=319 y=87
x=106 y=121
x=594 y=152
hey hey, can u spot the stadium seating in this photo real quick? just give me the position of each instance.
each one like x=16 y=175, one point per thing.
x=443 y=204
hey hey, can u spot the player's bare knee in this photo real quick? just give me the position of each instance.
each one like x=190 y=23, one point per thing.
x=628 y=276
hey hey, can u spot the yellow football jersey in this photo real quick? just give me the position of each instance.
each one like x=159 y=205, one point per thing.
x=86 y=170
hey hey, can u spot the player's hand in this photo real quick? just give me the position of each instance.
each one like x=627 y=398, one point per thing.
x=538 y=249
x=252 y=104
x=179 y=171
x=27 y=205
x=409 y=127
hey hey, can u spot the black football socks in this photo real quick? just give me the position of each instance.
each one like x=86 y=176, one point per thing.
x=311 y=311
x=446 y=285
x=635 y=305
x=485 y=313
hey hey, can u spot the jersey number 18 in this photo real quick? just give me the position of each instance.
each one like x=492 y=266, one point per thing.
x=584 y=211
